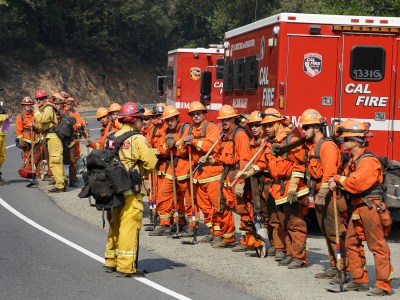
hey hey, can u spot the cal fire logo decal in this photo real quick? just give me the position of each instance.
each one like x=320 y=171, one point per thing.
x=195 y=73
x=262 y=48
x=312 y=65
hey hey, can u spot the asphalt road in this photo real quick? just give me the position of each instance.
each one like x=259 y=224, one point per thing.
x=46 y=253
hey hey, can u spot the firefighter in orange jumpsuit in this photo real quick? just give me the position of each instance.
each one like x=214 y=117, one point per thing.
x=201 y=137
x=288 y=190
x=113 y=112
x=69 y=110
x=173 y=141
x=148 y=124
x=232 y=154
x=103 y=117
x=154 y=137
x=28 y=136
x=266 y=208
x=362 y=178
x=123 y=237
x=324 y=161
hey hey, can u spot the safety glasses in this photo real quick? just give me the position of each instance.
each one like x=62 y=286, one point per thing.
x=251 y=125
x=196 y=113
x=146 y=119
x=306 y=127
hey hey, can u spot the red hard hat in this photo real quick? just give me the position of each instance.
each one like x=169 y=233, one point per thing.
x=129 y=112
x=40 y=94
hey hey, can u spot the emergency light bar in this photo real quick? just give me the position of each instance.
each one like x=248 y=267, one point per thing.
x=365 y=29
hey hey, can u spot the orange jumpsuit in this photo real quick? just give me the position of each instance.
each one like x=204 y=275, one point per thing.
x=291 y=216
x=206 y=180
x=365 y=224
x=165 y=195
x=23 y=131
x=145 y=131
x=319 y=170
x=105 y=130
x=155 y=139
x=232 y=155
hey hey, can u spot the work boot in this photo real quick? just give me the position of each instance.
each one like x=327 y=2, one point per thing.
x=285 y=262
x=3 y=182
x=377 y=291
x=271 y=251
x=327 y=274
x=359 y=287
x=189 y=232
x=240 y=248
x=160 y=231
x=52 y=181
x=223 y=244
x=207 y=239
x=336 y=279
x=109 y=269
x=296 y=264
x=279 y=255
x=46 y=177
x=173 y=228
x=217 y=239
x=136 y=274
x=57 y=190
x=74 y=183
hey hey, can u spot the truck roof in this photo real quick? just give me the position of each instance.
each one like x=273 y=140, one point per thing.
x=316 y=19
x=198 y=50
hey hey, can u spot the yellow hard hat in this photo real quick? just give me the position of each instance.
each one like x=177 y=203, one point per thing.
x=227 y=112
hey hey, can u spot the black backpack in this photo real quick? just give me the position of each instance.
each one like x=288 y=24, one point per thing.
x=106 y=178
x=65 y=127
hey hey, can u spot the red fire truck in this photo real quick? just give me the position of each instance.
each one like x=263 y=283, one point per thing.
x=182 y=81
x=343 y=66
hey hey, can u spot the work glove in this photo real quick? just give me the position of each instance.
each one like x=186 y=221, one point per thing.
x=274 y=149
x=187 y=140
x=250 y=172
x=156 y=151
x=22 y=144
x=332 y=183
x=292 y=191
x=321 y=197
x=239 y=189
x=170 y=140
x=88 y=143
x=146 y=185
x=210 y=160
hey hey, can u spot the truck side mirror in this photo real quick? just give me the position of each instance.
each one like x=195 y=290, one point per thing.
x=205 y=87
x=161 y=85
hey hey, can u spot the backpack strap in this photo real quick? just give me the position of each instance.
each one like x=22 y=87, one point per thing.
x=203 y=130
x=317 y=149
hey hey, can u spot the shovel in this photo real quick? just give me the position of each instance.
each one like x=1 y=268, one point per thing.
x=176 y=205
x=152 y=205
x=33 y=180
x=337 y=288
x=194 y=241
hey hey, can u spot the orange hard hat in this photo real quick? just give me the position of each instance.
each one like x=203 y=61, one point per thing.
x=352 y=128
x=70 y=101
x=101 y=112
x=271 y=115
x=57 y=98
x=147 y=112
x=27 y=101
x=311 y=116
x=196 y=106
x=114 y=107
x=227 y=112
x=169 y=112
x=255 y=117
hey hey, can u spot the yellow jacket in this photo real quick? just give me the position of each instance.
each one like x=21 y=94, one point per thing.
x=45 y=118
x=136 y=148
x=3 y=118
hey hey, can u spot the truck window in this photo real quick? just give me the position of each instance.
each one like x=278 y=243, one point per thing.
x=220 y=68
x=170 y=76
x=367 y=63
x=238 y=74
x=251 y=73
x=228 y=76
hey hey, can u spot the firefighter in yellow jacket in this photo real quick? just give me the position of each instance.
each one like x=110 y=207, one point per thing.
x=3 y=118
x=123 y=237
x=46 y=118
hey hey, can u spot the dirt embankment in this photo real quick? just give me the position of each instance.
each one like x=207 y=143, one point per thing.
x=92 y=85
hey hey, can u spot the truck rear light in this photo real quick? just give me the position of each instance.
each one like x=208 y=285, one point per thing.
x=291 y=18
x=394 y=29
x=369 y=21
x=355 y=20
x=281 y=102
x=178 y=92
x=384 y=21
x=281 y=88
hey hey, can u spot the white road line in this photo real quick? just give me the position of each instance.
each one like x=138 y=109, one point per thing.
x=87 y=252
x=10 y=146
